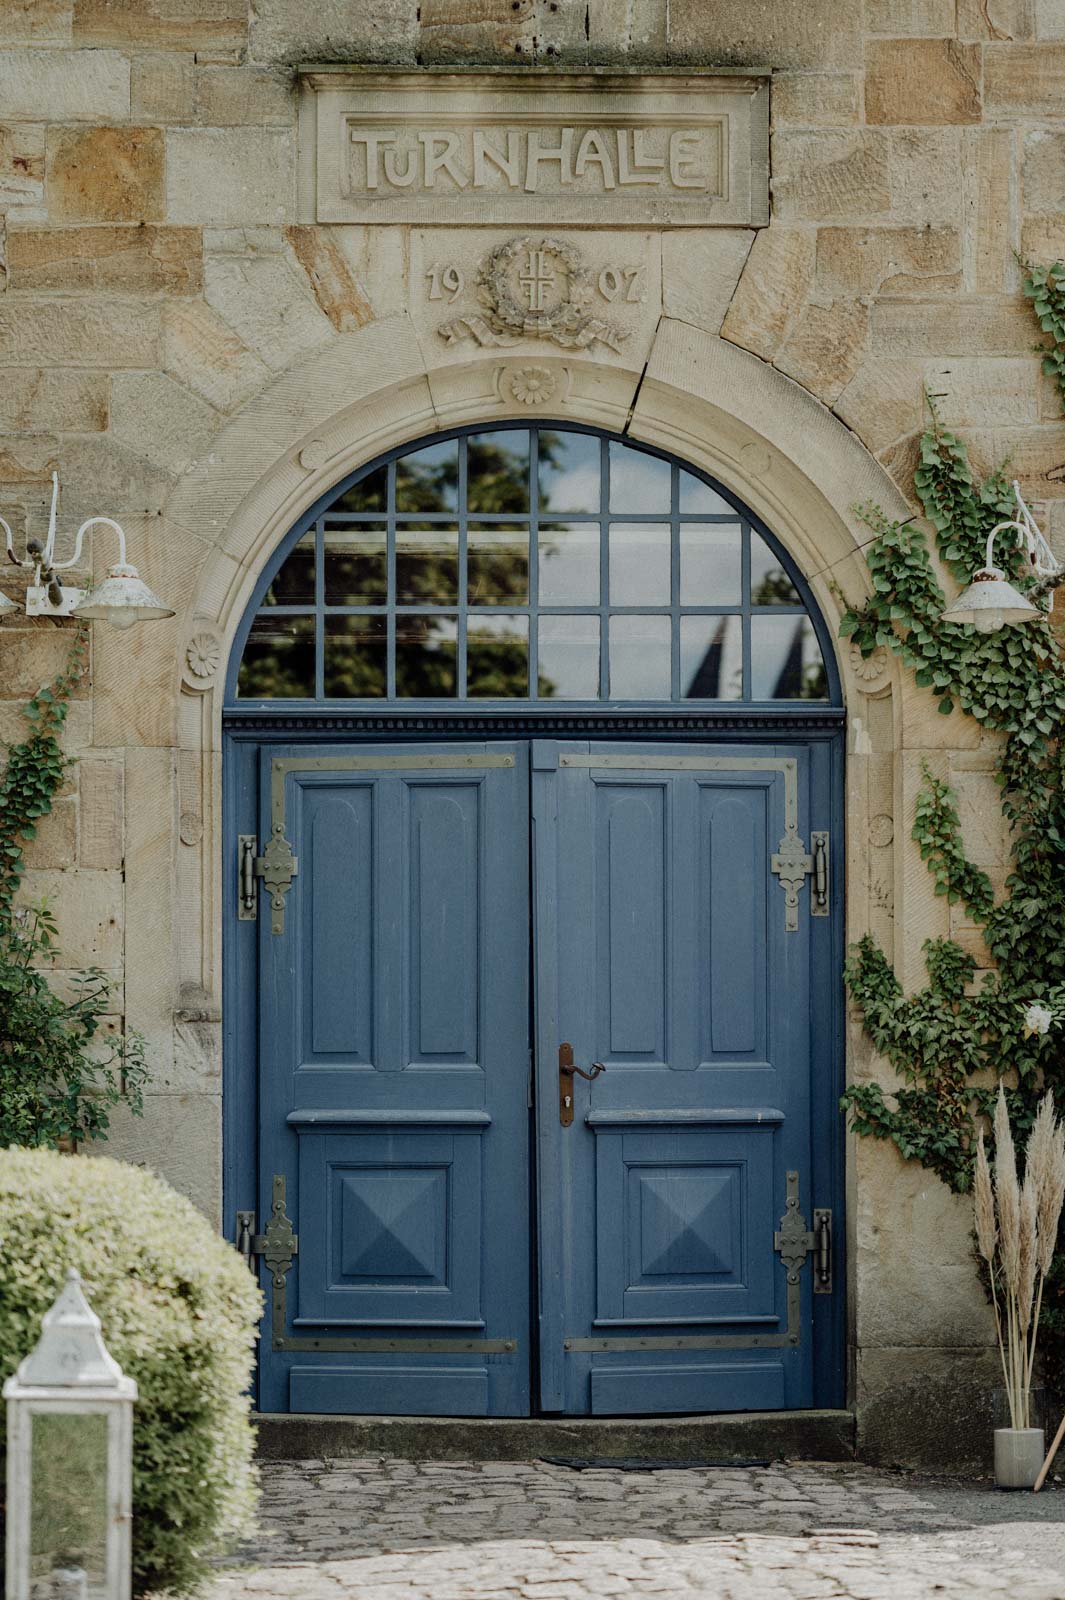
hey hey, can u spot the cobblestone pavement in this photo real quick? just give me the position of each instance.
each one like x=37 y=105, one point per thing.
x=399 y=1530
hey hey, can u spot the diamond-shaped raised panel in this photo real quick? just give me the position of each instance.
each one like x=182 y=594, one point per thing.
x=688 y=1219
x=684 y=1222
x=392 y=1225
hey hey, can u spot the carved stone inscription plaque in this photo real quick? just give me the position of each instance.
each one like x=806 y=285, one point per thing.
x=533 y=148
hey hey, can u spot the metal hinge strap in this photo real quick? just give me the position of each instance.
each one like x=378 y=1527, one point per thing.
x=276 y=867
x=279 y=1244
x=793 y=865
x=793 y=1241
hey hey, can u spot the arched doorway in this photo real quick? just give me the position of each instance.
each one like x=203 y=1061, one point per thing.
x=542 y=729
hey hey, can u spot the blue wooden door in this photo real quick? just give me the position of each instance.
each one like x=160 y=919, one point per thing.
x=670 y=950
x=393 y=1080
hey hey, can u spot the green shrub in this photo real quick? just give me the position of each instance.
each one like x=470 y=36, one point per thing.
x=179 y=1312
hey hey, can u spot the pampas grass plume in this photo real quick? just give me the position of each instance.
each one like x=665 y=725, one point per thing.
x=1008 y=1195
x=984 y=1204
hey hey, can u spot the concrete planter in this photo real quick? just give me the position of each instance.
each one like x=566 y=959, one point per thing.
x=1019 y=1455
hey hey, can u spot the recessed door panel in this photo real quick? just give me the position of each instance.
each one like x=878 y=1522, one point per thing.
x=335 y=997
x=443 y=921
x=632 y=913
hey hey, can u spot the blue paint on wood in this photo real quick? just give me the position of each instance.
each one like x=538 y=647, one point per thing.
x=393 y=1068
x=444 y=921
x=338 y=1010
x=673 y=967
x=655 y=1207
x=395 y=1391
x=733 y=893
x=708 y=1386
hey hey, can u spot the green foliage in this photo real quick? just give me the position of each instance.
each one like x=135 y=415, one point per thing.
x=34 y=771
x=60 y=1073
x=1045 y=287
x=952 y=1040
x=179 y=1311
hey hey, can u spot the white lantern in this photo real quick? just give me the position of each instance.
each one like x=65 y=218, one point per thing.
x=990 y=601
x=69 y=1462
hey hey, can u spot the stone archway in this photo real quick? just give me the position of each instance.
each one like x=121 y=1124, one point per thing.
x=761 y=434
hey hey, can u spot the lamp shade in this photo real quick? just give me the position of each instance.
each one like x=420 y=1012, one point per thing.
x=122 y=599
x=989 y=603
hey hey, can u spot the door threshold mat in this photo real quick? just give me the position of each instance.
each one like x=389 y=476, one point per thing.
x=645 y=1463
x=728 y=1439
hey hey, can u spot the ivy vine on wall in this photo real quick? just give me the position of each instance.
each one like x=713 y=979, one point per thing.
x=61 y=1074
x=952 y=1040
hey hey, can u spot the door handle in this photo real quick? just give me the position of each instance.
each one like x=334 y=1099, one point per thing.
x=567 y=1067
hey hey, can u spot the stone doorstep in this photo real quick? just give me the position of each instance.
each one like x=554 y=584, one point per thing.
x=739 y=1437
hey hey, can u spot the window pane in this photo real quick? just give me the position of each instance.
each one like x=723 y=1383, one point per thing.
x=293 y=583
x=356 y=566
x=710 y=564
x=711 y=658
x=356 y=657
x=569 y=472
x=427 y=564
x=69 y=1511
x=638 y=483
x=639 y=658
x=425 y=656
x=497 y=473
x=569 y=564
x=786 y=660
x=770 y=584
x=497 y=656
x=497 y=565
x=278 y=660
x=695 y=495
x=428 y=480
x=639 y=563
x=568 y=649
x=369 y=494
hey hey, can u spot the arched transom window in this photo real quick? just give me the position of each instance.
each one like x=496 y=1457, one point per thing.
x=540 y=563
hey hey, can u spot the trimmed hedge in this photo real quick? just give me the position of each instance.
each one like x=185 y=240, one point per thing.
x=179 y=1311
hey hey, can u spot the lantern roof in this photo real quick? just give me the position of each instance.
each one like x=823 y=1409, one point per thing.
x=71 y=1354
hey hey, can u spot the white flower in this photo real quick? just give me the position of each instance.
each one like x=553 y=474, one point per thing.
x=1037 y=1019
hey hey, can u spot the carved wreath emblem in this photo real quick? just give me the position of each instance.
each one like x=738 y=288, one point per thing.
x=534 y=288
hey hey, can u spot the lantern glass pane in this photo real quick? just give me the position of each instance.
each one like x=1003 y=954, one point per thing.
x=68 y=1498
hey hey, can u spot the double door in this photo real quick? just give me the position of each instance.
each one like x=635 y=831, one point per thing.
x=544 y=1047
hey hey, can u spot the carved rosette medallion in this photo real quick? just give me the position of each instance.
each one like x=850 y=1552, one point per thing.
x=534 y=287
x=532 y=386
x=203 y=654
x=872 y=671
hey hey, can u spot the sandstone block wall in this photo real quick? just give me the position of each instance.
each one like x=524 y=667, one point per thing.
x=154 y=280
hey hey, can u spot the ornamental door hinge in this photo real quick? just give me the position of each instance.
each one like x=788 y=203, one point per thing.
x=276 y=867
x=793 y=1241
x=793 y=866
x=277 y=1245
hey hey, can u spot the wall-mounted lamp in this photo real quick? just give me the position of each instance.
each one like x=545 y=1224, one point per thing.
x=990 y=601
x=122 y=599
